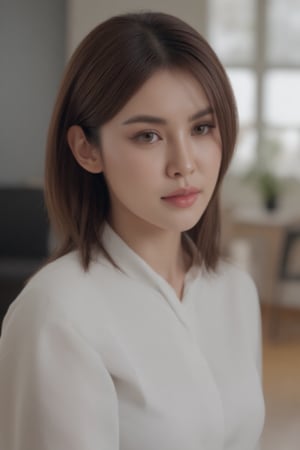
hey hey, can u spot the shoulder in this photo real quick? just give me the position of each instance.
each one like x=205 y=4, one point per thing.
x=232 y=291
x=229 y=277
x=63 y=278
x=227 y=302
x=239 y=284
x=242 y=307
x=61 y=291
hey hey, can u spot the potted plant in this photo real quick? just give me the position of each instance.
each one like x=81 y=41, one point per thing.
x=269 y=188
x=263 y=175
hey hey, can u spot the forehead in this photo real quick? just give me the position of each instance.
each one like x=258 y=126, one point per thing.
x=167 y=92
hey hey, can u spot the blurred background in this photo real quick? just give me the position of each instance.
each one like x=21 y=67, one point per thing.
x=258 y=41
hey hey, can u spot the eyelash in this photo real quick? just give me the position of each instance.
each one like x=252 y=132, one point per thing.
x=207 y=126
x=142 y=136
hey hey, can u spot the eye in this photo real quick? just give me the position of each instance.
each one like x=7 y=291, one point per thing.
x=203 y=129
x=148 y=137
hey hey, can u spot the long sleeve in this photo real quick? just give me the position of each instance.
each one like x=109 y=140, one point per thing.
x=83 y=362
x=259 y=355
x=55 y=391
x=257 y=325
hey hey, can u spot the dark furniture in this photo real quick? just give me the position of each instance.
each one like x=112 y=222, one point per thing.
x=24 y=232
x=289 y=270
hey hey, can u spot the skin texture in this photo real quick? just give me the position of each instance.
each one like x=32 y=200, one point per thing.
x=144 y=160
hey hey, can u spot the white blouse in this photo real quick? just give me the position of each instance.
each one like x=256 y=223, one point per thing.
x=110 y=359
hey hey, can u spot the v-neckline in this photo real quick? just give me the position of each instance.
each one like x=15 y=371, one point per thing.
x=134 y=266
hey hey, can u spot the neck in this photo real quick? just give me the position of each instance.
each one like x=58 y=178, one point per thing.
x=161 y=249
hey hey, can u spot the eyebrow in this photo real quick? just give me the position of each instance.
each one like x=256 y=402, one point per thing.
x=144 y=118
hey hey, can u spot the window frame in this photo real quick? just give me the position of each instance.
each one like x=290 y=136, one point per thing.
x=260 y=67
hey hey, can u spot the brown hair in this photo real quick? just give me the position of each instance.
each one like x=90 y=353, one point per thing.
x=107 y=68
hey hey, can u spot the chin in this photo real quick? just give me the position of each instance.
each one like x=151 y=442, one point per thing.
x=185 y=225
x=190 y=226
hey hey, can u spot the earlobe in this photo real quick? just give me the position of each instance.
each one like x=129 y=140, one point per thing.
x=86 y=154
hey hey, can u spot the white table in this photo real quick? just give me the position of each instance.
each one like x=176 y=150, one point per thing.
x=265 y=232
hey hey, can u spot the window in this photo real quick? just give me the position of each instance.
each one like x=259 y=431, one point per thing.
x=232 y=29
x=243 y=81
x=283 y=36
x=258 y=41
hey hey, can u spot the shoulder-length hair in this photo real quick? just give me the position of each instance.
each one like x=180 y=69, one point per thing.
x=108 y=67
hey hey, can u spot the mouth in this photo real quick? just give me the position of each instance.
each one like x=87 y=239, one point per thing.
x=184 y=192
x=182 y=198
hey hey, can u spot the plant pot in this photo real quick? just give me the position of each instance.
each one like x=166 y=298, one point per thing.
x=271 y=203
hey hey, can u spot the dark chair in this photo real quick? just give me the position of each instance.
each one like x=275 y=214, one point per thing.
x=24 y=232
x=289 y=270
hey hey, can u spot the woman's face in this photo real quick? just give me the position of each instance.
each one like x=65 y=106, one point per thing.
x=161 y=155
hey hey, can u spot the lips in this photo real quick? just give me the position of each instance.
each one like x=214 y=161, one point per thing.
x=184 y=192
x=182 y=198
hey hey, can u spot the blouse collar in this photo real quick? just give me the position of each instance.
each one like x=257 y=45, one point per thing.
x=130 y=263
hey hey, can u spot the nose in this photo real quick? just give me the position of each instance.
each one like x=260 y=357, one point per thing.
x=180 y=162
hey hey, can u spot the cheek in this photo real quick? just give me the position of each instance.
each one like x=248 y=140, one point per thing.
x=212 y=169
x=216 y=151
x=130 y=170
x=211 y=158
x=217 y=160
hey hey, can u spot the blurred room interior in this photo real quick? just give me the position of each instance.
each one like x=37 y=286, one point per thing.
x=258 y=41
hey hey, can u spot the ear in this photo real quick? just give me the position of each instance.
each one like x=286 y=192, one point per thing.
x=86 y=154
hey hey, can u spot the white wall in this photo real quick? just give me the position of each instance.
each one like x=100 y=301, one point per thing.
x=85 y=15
x=33 y=35
x=32 y=48
x=82 y=16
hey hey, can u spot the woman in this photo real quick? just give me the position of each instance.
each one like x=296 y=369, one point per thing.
x=136 y=336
